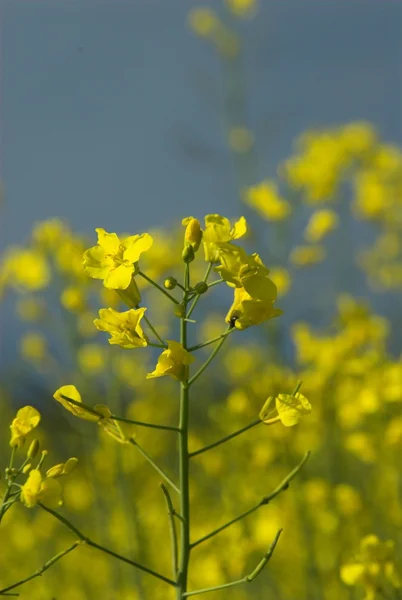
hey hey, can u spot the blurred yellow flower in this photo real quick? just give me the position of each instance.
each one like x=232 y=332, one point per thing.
x=218 y=230
x=302 y=256
x=73 y=298
x=282 y=279
x=36 y=489
x=174 y=362
x=242 y=8
x=114 y=259
x=33 y=347
x=124 y=327
x=203 y=21
x=292 y=408
x=26 y=269
x=48 y=234
x=26 y=420
x=265 y=199
x=30 y=308
x=91 y=358
x=321 y=223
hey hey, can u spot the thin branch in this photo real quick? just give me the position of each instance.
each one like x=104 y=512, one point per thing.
x=40 y=571
x=248 y=578
x=226 y=438
x=154 y=465
x=196 y=299
x=156 y=334
x=219 y=337
x=160 y=288
x=89 y=542
x=172 y=527
x=207 y=362
x=266 y=500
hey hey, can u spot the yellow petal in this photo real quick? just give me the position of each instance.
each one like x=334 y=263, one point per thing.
x=50 y=493
x=136 y=245
x=292 y=408
x=110 y=242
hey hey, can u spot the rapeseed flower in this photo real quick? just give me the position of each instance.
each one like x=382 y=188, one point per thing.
x=173 y=361
x=218 y=230
x=265 y=199
x=124 y=327
x=38 y=489
x=26 y=420
x=114 y=260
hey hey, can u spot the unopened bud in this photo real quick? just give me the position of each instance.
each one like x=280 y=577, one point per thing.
x=27 y=468
x=188 y=254
x=179 y=311
x=193 y=233
x=201 y=287
x=170 y=283
x=33 y=449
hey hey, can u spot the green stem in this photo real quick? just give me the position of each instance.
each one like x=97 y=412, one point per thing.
x=4 y=503
x=40 y=571
x=143 y=424
x=216 y=282
x=159 y=287
x=196 y=299
x=264 y=501
x=154 y=465
x=226 y=438
x=156 y=334
x=184 y=462
x=248 y=578
x=198 y=346
x=172 y=527
x=209 y=359
x=89 y=542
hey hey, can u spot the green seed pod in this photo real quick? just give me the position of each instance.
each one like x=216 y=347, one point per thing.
x=201 y=287
x=188 y=254
x=33 y=450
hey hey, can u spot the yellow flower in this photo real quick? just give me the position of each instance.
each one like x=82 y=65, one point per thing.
x=320 y=224
x=242 y=8
x=91 y=358
x=303 y=256
x=193 y=233
x=26 y=269
x=218 y=230
x=26 y=420
x=70 y=391
x=174 y=362
x=30 y=308
x=237 y=267
x=247 y=310
x=36 y=489
x=48 y=234
x=282 y=280
x=265 y=199
x=203 y=21
x=62 y=468
x=73 y=298
x=124 y=327
x=33 y=347
x=114 y=259
x=241 y=139
x=290 y=409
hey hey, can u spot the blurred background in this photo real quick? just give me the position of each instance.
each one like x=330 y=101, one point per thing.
x=131 y=115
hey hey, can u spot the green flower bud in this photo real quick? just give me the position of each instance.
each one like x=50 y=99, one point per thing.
x=33 y=450
x=188 y=254
x=179 y=311
x=170 y=283
x=201 y=287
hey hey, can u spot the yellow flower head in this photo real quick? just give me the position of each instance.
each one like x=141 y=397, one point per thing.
x=303 y=256
x=247 y=310
x=203 y=21
x=114 y=259
x=290 y=408
x=124 y=327
x=219 y=230
x=174 y=362
x=26 y=420
x=36 y=489
x=265 y=199
x=70 y=391
x=321 y=223
x=26 y=269
x=238 y=268
x=242 y=9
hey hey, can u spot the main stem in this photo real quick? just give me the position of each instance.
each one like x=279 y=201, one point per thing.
x=184 y=473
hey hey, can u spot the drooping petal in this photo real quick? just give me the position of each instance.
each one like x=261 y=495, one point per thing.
x=120 y=278
x=135 y=245
x=109 y=242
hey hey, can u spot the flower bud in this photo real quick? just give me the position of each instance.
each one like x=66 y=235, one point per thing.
x=201 y=287
x=179 y=311
x=188 y=254
x=33 y=449
x=27 y=468
x=170 y=283
x=193 y=233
